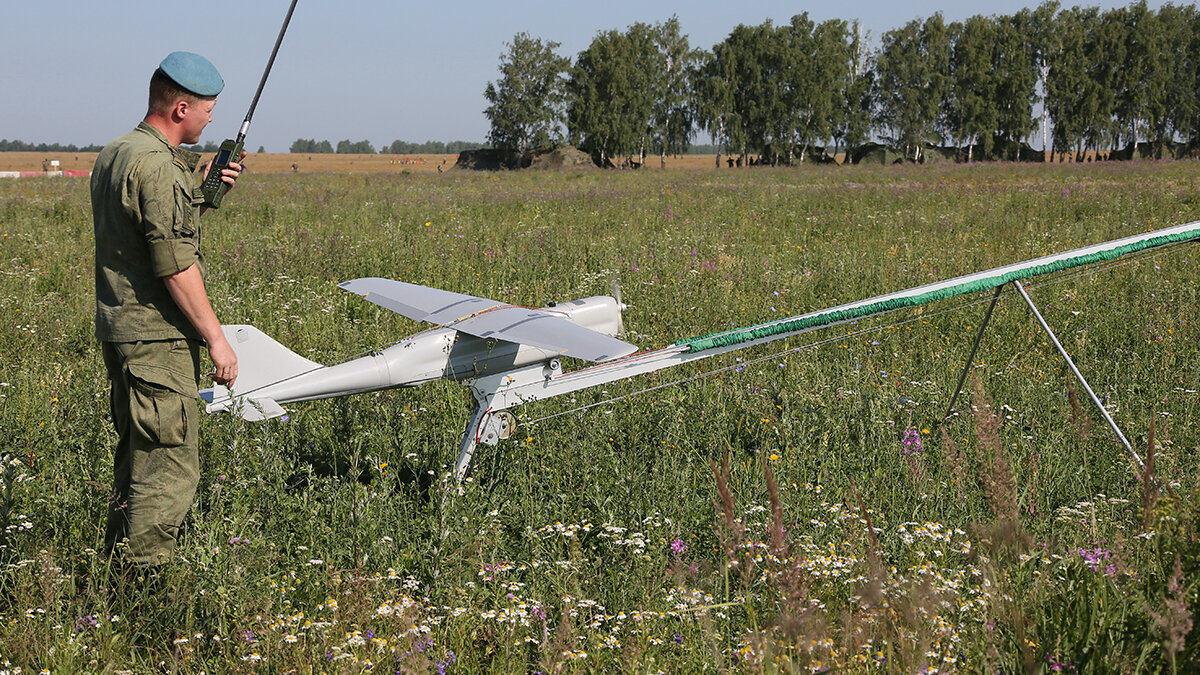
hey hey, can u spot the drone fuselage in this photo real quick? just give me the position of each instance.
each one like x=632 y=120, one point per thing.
x=282 y=376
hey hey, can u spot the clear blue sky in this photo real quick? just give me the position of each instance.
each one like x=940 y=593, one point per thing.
x=76 y=71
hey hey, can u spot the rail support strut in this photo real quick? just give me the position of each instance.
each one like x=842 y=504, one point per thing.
x=1079 y=376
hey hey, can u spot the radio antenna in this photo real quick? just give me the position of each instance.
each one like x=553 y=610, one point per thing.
x=213 y=187
x=261 y=83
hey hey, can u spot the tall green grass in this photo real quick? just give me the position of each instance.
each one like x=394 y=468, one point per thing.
x=794 y=508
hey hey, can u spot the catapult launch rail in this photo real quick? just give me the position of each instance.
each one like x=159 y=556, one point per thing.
x=497 y=393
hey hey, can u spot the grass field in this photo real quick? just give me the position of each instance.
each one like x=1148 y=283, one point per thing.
x=785 y=512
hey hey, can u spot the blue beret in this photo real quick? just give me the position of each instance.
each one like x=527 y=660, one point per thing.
x=193 y=72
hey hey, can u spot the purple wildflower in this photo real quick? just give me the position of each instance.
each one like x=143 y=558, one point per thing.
x=1094 y=557
x=911 y=443
x=1058 y=666
x=678 y=547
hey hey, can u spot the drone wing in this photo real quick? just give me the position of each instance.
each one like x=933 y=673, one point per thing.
x=545 y=330
x=420 y=303
x=490 y=319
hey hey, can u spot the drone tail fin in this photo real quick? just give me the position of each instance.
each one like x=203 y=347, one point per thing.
x=263 y=363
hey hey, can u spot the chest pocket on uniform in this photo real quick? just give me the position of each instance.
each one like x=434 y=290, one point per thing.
x=187 y=202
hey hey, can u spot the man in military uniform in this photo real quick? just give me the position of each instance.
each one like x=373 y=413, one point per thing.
x=152 y=309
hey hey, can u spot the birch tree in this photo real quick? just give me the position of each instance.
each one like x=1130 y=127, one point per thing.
x=673 y=120
x=609 y=93
x=526 y=104
x=973 y=90
x=912 y=81
x=850 y=119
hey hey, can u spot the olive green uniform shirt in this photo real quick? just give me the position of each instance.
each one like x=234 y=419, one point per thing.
x=146 y=210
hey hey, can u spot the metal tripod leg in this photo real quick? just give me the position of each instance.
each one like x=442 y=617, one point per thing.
x=974 y=348
x=1096 y=401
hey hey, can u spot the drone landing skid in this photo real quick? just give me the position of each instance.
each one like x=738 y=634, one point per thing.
x=490 y=422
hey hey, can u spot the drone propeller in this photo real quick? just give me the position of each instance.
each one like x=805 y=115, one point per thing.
x=621 y=307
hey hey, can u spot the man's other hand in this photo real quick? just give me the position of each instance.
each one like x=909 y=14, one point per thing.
x=225 y=362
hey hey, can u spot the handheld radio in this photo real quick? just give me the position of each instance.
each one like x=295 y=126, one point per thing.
x=213 y=187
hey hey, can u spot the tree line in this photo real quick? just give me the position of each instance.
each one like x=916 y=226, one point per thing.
x=300 y=146
x=1125 y=79
x=344 y=147
x=21 y=146
x=347 y=147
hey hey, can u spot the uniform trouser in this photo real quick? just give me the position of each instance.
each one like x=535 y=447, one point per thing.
x=156 y=466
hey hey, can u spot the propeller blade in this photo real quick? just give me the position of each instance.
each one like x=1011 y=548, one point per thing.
x=616 y=294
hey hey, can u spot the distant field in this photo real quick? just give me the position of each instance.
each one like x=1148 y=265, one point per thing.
x=281 y=162
x=264 y=163
x=32 y=161
x=272 y=162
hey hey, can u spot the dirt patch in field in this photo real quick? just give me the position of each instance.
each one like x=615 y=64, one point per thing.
x=562 y=158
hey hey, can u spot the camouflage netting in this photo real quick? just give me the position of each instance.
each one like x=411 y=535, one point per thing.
x=480 y=160
x=556 y=158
